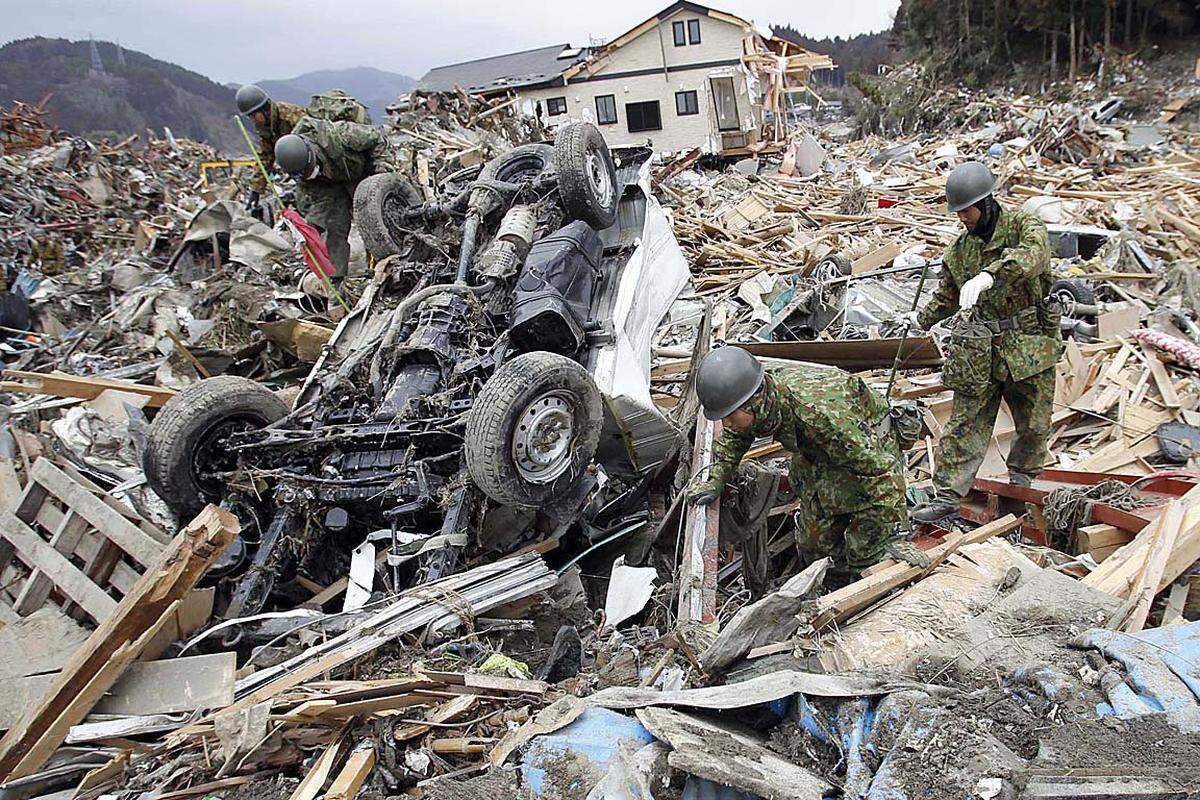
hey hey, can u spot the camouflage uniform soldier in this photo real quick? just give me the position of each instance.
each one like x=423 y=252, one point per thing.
x=328 y=158
x=273 y=119
x=845 y=473
x=999 y=268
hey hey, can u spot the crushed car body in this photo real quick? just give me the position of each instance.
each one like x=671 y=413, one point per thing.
x=496 y=365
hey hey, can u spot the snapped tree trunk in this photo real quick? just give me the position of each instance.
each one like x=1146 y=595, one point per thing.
x=1073 y=53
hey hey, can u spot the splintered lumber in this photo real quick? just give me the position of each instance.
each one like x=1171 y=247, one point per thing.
x=698 y=568
x=97 y=665
x=1120 y=573
x=849 y=600
x=62 y=385
x=1165 y=534
x=438 y=605
x=353 y=775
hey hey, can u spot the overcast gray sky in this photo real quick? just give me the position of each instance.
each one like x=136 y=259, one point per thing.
x=241 y=40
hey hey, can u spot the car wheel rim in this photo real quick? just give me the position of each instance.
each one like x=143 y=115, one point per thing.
x=597 y=171
x=1066 y=301
x=542 y=440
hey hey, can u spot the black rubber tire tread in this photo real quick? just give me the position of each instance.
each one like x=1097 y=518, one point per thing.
x=370 y=199
x=494 y=414
x=498 y=168
x=571 y=146
x=1078 y=288
x=184 y=419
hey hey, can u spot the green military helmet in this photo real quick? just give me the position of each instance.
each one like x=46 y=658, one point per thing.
x=294 y=156
x=251 y=98
x=967 y=184
x=728 y=377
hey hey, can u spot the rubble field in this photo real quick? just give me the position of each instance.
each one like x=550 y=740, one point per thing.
x=427 y=536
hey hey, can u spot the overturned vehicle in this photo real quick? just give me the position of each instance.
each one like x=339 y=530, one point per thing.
x=490 y=389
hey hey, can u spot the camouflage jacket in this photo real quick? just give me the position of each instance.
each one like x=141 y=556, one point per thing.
x=347 y=151
x=1018 y=257
x=281 y=118
x=828 y=420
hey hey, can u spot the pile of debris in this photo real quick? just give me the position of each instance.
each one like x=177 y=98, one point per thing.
x=441 y=132
x=601 y=644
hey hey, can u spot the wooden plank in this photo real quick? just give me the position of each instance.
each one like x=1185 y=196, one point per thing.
x=847 y=601
x=1176 y=603
x=854 y=354
x=729 y=758
x=1165 y=535
x=10 y=485
x=123 y=533
x=1162 y=380
x=877 y=259
x=62 y=385
x=54 y=565
x=172 y=685
x=27 y=746
x=697 y=578
x=353 y=775
x=314 y=780
x=65 y=539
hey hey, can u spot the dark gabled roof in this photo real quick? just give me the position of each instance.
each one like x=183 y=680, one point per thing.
x=524 y=69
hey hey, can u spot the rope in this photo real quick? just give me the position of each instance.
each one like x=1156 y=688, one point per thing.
x=450 y=600
x=1069 y=507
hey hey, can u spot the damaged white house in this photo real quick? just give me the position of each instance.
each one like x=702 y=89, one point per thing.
x=688 y=77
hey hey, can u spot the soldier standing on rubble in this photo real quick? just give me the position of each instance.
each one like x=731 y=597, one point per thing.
x=273 y=119
x=845 y=472
x=999 y=270
x=328 y=158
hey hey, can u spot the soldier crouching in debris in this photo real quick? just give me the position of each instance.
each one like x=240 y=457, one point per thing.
x=844 y=470
x=998 y=270
x=328 y=159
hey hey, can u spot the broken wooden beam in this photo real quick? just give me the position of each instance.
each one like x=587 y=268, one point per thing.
x=97 y=665
x=59 y=384
x=843 y=603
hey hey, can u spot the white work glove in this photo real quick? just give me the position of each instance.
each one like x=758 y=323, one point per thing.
x=908 y=318
x=968 y=296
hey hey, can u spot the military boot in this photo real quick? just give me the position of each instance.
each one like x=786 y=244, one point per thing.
x=1020 y=479
x=938 y=508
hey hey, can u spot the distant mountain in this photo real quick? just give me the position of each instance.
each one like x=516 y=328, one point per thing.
x=374 y=88
x=128 y=93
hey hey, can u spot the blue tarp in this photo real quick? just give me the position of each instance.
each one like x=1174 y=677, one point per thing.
x=1162 y=669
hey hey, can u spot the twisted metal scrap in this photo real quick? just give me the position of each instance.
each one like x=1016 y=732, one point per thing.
x=1069 y=507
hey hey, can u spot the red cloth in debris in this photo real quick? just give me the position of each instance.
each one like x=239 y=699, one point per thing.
x=316 y=245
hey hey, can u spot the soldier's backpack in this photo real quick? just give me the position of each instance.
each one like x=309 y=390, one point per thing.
x=335 y=105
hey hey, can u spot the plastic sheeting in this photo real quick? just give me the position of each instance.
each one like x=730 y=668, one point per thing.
x=1161 y=666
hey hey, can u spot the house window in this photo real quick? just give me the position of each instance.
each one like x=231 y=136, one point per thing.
x=693 y=26
x=606 y=109
x=643 y=116
x=680 y=36
x=556 y=105
x=686 y=103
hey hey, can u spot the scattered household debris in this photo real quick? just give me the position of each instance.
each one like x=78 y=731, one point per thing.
x=608 y=641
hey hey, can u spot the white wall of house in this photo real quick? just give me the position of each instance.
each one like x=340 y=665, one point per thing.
x=694 y=65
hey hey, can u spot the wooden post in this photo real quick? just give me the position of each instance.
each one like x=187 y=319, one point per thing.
x=698 y=570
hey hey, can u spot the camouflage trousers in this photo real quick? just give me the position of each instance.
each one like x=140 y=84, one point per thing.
x=965 y=440
x=330 y=207
x=853 y=541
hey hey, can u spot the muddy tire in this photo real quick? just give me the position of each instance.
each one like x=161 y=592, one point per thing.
x=521 y=163
x=533 y=429
x=187 y=430
x=587 y=179
x=378 y=201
